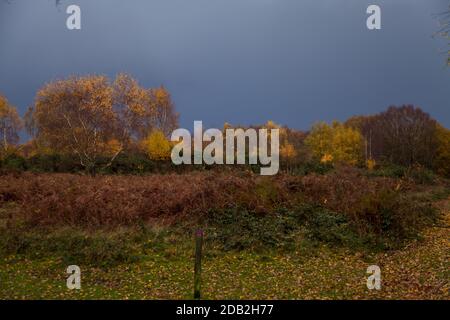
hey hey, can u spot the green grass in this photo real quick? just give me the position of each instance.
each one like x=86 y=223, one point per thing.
x=225 y=276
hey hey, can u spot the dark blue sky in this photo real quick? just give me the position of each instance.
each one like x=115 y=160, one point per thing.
x=241 y=61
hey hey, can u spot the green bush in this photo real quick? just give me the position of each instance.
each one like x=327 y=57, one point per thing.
x=132 y=163
x=54 y=163
x=417 y=173
x=70 y=245
x=420 y=175
x=389 y=170
x=13 y=163
x=332 y=228
x=238 y=229
x=311 y=167
x=129 y=164
x=393 y=217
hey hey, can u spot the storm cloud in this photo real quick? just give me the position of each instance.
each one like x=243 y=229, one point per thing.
x=240 y=61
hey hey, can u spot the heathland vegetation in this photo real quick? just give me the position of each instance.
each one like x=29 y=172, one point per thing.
x=94 y=186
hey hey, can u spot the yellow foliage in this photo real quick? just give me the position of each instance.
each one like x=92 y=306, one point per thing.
x=271 y=125
x=161 y=94
x=34 y=147
x=326 y=158
x=281 y=131
x=113 y=147
x=10 y=125
x=371 y=163
x=165 y=118
x=157 y=146
x=287 y=151
x=343 y=144
x=128 y=92
x=319 y=140
x=442 y=161
x=226 y=126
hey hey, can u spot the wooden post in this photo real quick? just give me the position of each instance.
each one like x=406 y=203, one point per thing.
x=198 y=263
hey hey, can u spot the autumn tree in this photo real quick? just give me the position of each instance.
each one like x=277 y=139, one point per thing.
x=133 y=108
x=406 y=135
x=292 y=146
x=141 y=111
x=10 y=125
x=138 y=109
x=441 y=162
x=36 y=145
x=365 y=125
x=94 y=118
x=76 y=116
x=164 y=118
x=402 y=135
x=157 y=146
x=335 y=142
x=288 y=154
x=319 y=140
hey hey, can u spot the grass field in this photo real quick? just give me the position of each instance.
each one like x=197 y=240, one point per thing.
x=308 y=271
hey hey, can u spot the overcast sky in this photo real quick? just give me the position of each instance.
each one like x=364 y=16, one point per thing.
x=240 y=61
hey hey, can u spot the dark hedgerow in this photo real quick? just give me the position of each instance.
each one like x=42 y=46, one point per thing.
x=239 y=211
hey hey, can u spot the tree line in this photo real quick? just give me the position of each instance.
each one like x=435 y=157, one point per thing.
x=94 y=121
x=93 y=118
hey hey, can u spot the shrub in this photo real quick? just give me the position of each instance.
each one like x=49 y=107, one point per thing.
x=330 y=227
x=76 y=200
x=157 y=146
x=312 y=167
x=335 y=143
x=373 y=207
x=54 y=163
x=130 y=164
x=389 y=171
x=71 y=245
x=238 y=229
x=420 y=175
x=417 y=173
x=13 y=163
x=392 y=216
